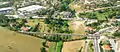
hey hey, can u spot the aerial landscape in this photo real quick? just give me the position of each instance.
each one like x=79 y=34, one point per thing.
x=59 y=25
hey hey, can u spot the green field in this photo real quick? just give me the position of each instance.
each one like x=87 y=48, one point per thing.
x=59 y=46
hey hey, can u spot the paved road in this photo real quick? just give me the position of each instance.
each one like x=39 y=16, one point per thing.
x=108 y=29
x=96 y=45
x=94 y=36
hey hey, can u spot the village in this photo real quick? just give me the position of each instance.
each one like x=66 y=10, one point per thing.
x=60 y=26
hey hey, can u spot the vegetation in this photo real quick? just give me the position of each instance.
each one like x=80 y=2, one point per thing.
x=117 y=23
x=104 y=14
x=59 y=46
x=90 y=47
x=6 y=5
x=52 y=47
x=56 y=38
x=116 y=34
x=107 y=4
x=58 y=25
x=35 y=29
x=4 y=0
x=42 y=49
x=105 y=42
x=4 y=20
x=94 y=25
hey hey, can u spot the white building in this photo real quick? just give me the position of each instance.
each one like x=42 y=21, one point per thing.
x=30 y=9
x=5 y=10
x=66 y=14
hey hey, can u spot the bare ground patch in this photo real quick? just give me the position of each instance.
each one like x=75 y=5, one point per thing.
x=77 y=27
x=72 y=46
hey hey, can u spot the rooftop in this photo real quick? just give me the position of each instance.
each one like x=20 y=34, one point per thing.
x=31 y=8
x=106 y=47
x=7 y=8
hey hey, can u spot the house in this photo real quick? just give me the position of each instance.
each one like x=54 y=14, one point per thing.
x=30 y=10
x=6 y=10
x=3 y=3
x=106 y=47
x=89 y=28
x=23 y=28
x=13 y=16
x=66 y=14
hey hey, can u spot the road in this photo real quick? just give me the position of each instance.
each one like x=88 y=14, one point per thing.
x=95 y=36
x=108 y=29
x=96 y=45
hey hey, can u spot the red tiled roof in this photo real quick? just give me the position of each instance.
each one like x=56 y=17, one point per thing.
x=89 y=28
x=106 y=47
x=24 y=28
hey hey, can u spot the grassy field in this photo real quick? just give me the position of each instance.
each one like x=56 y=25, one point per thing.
x=14 y=42
x=59 y=46
x=51 y=47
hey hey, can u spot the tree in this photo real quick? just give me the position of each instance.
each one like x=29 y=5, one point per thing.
x=92 y=16
x=3 y=20
x=116 y=34
x=36 y=28
x=117 y=23
x=58 y=25
x=42 y=49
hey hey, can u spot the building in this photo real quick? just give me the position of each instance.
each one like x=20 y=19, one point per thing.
x=30 y=9
x=106 y=47
x=66 y=14
x=13 y=16
x=3 y=3
x=6 y=10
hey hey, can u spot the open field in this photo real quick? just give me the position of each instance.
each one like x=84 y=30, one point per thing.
x=14 y=42
x=77 y=7
x=77 y=27
x=72 y=46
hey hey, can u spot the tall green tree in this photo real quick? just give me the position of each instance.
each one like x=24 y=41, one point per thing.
x=3 y=20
